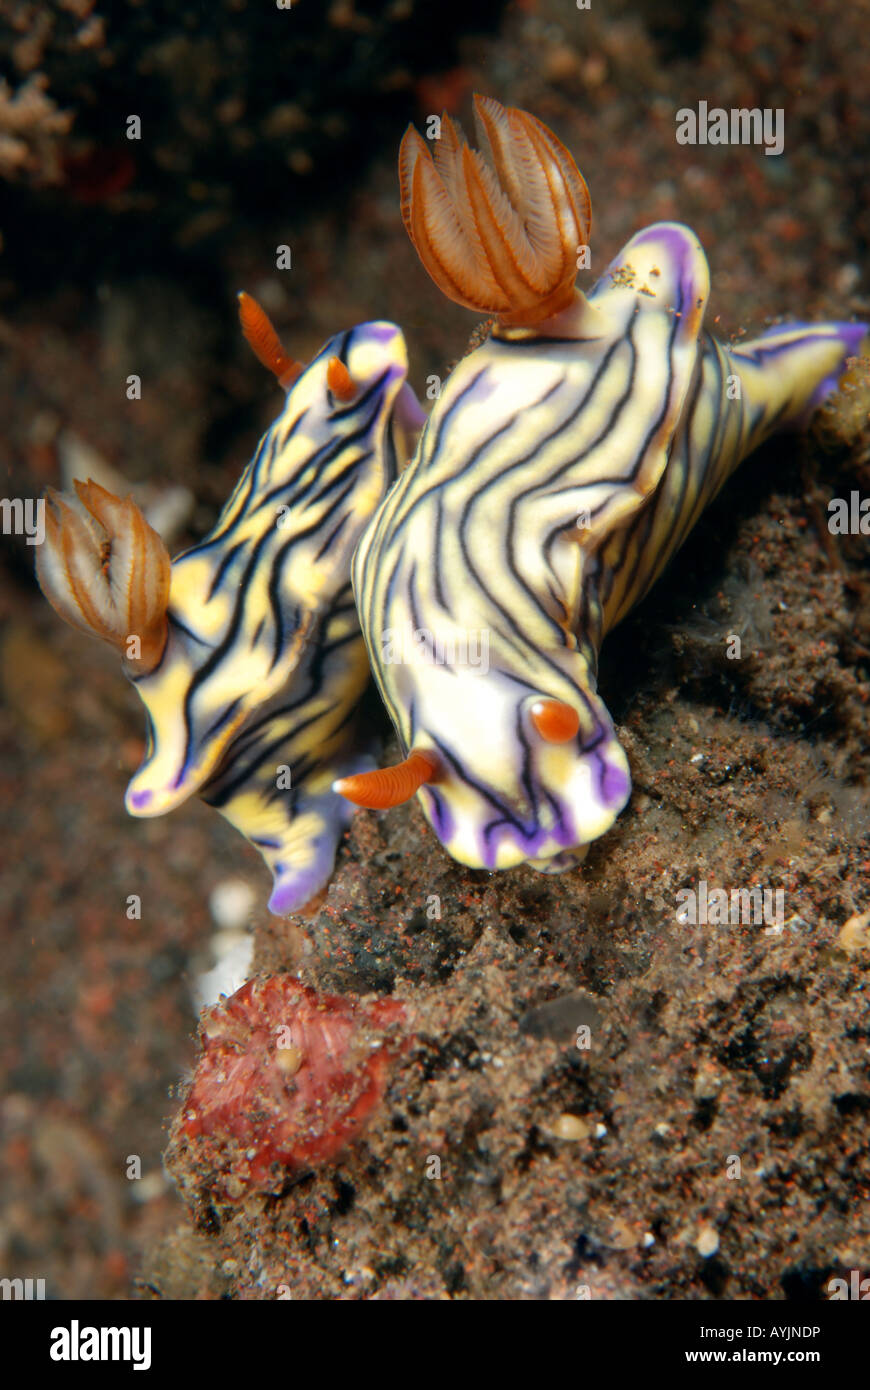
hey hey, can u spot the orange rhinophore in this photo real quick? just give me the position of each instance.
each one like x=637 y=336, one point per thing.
x=503 y=239
x=339 y=380
x=264 y=341
x=107 y=572
x=389 y=786
x=555 y=721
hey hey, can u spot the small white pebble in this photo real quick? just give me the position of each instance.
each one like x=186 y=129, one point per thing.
x=225 y=943
x=571 y=1128
x=707 y=1241
x=648 y=1240
x=697 y=758
x=600 y=1131
x=847 y=278
x=231 y=903
x=289 y=1060
x=231 y=971
x=664 y=190
x=148 y=1188
x=854 y=935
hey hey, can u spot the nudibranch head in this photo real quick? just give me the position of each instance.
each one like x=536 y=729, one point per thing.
x=501 y=237
x=245 y=604
x=496 y=789
x=107 y=572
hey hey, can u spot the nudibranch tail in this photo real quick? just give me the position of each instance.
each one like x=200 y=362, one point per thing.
x=504 y=239
x=742 y=395
x=389 y=786
x=107 y=572
x=794 y=367
x=264 y=342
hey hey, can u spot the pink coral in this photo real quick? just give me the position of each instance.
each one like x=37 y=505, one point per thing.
x=287 y=1079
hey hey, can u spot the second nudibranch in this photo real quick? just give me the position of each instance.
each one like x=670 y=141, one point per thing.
x=564 y=463
x=246 y=650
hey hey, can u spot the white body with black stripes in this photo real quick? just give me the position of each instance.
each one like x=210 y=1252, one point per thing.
x=253 y=703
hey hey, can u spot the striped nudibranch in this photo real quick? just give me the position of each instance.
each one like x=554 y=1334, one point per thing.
x=565 y=461
x=246 y=650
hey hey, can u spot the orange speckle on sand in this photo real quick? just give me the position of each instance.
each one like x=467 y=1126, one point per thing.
x=115 y=1266
x=97 y=1000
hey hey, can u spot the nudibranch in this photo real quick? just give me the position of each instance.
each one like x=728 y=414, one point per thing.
x=246 y=650
x=565 y=461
